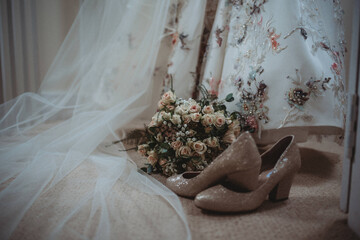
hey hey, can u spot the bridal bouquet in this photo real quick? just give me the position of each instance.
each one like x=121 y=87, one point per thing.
x=186 y=135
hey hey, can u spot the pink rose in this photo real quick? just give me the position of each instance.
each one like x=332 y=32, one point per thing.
x=184 y=151
x=168 y=97
x=142 y=149
x=208 y=109
x=199 y=147
x=207 y=120
x=176 y=145
x=191 y=133
x=219 y=120
x=152 y=158
x=161 y=104
x=194 y=108
x=232 y=133
x=186 y=118
x=159 y=137
x=162 y=161
x=211 y=142
x=195 y=117
x=170 y=107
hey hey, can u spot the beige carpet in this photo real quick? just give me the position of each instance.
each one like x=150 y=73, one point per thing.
x=312 y=212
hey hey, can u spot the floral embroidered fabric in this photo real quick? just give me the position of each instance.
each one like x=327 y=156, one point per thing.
x=283 y=60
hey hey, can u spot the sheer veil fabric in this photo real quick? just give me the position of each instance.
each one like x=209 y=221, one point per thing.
x=101 y=79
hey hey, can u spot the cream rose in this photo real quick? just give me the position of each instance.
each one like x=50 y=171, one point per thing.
x=142 y=149
x=161 y=104
x=191 y=133
x=208 y=109
x=153 y=123
x=185 y=106
x=176 y=119
x=194 y=108
x=195 y=117
x=162 y=161
x=184 y=151
x=176 y=145
x=232 y=133
x=199 y=147
x=186 y=118
x=152 y=157
x=159 y=137
x=207 y=119
x=170 y=107
x=180 y=111
x=168 y=97
x=165 y=115
x=219 y=120
x=211 y=142
x=157 y=119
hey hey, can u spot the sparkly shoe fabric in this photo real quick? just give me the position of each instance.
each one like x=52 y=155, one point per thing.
x=241 y=157
x=280 y=163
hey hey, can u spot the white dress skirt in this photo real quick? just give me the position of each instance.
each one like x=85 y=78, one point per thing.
x=282 y=60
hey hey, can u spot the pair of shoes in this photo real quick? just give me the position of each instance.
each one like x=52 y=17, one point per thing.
x=253 y=184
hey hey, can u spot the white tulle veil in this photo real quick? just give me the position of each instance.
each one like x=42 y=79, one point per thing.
x=101 y=80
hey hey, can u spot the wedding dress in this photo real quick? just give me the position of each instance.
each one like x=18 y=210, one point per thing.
x=111 y=69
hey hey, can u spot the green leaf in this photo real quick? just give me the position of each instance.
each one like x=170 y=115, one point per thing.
x=149 y=169
x=235 y=115
x=144 y=169
x=163 y=151
x=165 y=146
x=221 y=108
x=229 y=98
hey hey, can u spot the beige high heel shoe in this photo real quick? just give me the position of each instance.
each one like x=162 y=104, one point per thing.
x=280 y=164
x=239 y=163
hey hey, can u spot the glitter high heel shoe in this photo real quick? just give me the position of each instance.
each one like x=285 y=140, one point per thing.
x=280 y=164
x=239 y=164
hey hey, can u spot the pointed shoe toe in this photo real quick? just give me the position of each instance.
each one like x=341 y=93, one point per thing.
x=239 y=163
x=181 y=185
x=279 y=166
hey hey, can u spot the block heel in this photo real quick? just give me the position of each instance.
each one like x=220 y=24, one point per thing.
x=282 y=190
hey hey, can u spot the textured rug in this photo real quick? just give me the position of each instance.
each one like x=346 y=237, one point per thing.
x=311 y=212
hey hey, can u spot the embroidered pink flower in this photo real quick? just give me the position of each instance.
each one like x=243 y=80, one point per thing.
x=335 y=67
x=214 y=86
x=251 y=121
